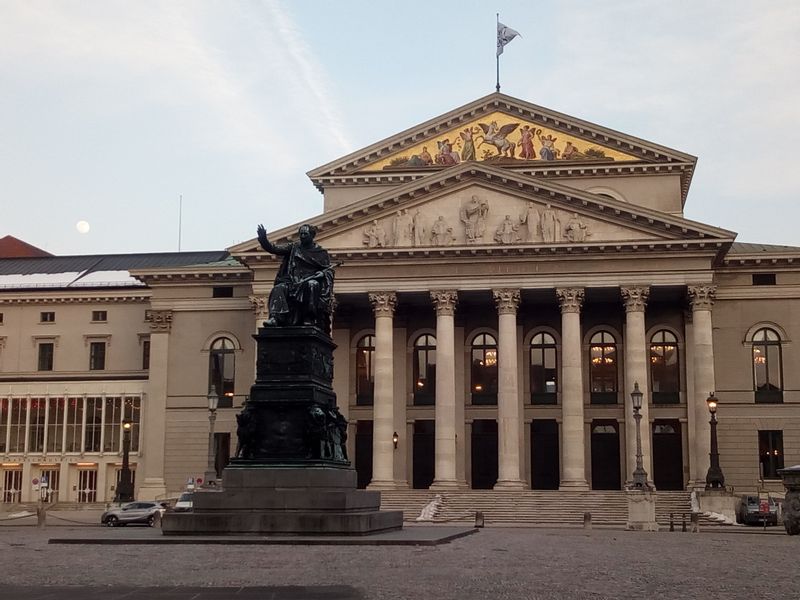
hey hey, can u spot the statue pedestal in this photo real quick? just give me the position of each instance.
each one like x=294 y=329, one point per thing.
x=718 y=501
x=641 y=510
x=291 y=474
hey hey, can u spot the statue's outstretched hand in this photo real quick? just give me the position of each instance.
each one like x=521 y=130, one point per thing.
x=262 y=236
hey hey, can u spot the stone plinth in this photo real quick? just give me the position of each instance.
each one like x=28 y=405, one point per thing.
x=721 y=502
x=791 y=504
x=641 y=510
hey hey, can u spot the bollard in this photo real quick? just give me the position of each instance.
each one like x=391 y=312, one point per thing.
x=695 y=522
x=478 y=519
x=671 y=523
x=41 y=516
x=587 y=520
x=683 y=522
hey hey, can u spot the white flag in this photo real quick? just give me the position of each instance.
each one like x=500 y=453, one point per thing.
x=504 y=35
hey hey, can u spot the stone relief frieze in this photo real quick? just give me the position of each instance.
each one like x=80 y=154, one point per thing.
x=473 y=215
x=375 y=235
x=441 y=233
x=506 y=232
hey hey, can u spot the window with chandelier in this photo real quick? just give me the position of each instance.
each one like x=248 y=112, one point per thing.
x=603 y=368
x=767 y=366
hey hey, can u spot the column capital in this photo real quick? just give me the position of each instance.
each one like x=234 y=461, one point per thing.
x=506 y=300
x=259 y=305
x=701 y=297
x=444 y=301
x=160 y=320
x=383 y=303
x=635 y=298
x=570 y=299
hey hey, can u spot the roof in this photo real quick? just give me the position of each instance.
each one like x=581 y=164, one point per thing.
x=747 y=248
x=11 y=247
x=109 y=270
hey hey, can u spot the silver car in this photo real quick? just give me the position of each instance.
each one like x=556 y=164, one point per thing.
x=147 y=513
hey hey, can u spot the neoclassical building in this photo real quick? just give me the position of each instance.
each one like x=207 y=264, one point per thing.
x=508 y=275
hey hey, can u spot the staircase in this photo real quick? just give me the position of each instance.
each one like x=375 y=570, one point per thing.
x=536 y=507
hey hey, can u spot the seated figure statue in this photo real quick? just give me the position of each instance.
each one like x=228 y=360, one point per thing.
x=303 y=288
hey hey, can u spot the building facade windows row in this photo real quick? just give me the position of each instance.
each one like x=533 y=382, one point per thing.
x=98 y=352
x=65 y=425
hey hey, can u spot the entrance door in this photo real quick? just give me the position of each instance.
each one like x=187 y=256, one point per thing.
x=605 y=455
x=222 y=454
x=484 y=454
x=12 y=486
x=545 y=473
x=424 y=451
x=363 y=453
x=667 y=455
x=48 y=488
x=87 y=485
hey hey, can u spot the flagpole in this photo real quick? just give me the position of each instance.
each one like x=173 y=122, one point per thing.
x=498 y=55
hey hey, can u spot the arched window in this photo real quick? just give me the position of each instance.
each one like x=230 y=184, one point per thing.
x=424 y=371
x=603 y=368
x=365 y=370
x=544 y=369
x=664 y=368
x=767 y=366
x=483 y=382
x=222 y=369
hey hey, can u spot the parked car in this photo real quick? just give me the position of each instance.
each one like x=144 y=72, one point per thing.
x=749 y=511
x=184 y=503
x=133 y=512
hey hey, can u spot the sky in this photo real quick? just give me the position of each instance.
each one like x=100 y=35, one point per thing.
x=111 y=111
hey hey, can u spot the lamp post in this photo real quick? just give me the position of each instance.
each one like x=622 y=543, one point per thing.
x=639 y=474
x=211 y=471
x=395 y=439
x=714 y=477
x=125 y=485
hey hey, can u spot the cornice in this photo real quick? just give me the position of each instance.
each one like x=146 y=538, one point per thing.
x=171 y=277
x=764 y=260
x=758 y=292
x=18 y=298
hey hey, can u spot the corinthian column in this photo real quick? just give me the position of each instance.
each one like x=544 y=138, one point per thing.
x=636 y=367
x=445 y=452
x=509 y=407
x=573 y=467
x=151 y=470
x=701 y=298
x=383 y=304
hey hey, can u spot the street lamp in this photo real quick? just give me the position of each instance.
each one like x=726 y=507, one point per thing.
x=395 y=439
x=639 y=474
x=714 y=477
x=125 y=485
x=211 y=471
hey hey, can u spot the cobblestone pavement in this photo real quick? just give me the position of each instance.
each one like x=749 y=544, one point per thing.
x=495 y=564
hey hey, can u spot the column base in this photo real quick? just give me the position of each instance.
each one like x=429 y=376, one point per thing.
x=568 y=485
x=387 y=484
x=510 y=484
x=444 y=485
x=152 y=488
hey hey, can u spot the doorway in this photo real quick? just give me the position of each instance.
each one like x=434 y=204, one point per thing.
x=363 y=453
x=424 y=450
x=667 y=455
x=605 y=455
x=484 y=454
x=545 y=471
x=12 y=486
x=48 y=488
x=87 y=485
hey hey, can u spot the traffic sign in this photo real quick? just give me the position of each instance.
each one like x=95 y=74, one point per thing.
x=35 y=481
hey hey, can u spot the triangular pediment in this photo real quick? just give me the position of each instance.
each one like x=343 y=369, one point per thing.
x=476 y=205
x=504 y=131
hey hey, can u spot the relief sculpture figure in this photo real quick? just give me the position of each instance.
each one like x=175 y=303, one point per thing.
x=530 y=219
x=419 y=229
x=507 y=231
x=402 y=229
x=550 y=225
x=441 y=233
x=303 y=288
x=576 y=230
x=473 y=215
x=375 y=235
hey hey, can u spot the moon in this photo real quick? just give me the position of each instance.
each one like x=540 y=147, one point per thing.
x=82 y=227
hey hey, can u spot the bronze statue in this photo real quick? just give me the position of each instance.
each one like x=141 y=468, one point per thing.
x=303 y=288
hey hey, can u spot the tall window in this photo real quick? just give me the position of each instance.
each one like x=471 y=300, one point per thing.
x=5 y=409
x=365 y=370
x=94 y=424
x=97 y=356
x=74 y=424
x=221 y=370
x=544 y=369
x=55 y=424
x=603 y=368
x=425 y=370
x=132 y=411
x=665 y=368
x=145 y=355
x=767 y=366
x=37 y=408
x=19 y=414
x=484 y=369
x=770 y=453
x=45 y=362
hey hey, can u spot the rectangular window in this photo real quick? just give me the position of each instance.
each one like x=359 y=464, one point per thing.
x=45 y=356
x=112 y=425
x=94 y=424
x=47 y=317
x=97 y=356
x=222 y=291
x=1 y=318
x=770 y=453
x=19 y=414
x=145 y=355
x=74 y=424
x=38 y=407
x=55 y=424
x=99 y=316
x=5 y=409
x=132 y=411
x=763 y=278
